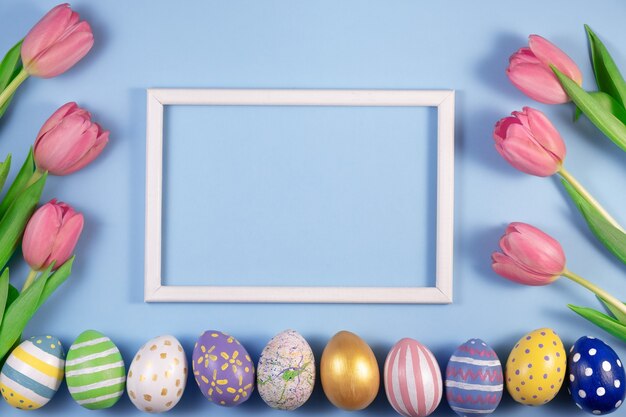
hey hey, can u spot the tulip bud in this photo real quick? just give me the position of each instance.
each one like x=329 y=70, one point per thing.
x=51 y=235
x=57 y=42
x=530 y=142
x=529 y=70
x=68 y=141
x=529 y=256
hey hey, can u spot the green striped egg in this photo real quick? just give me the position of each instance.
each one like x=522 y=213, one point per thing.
x=94 y=371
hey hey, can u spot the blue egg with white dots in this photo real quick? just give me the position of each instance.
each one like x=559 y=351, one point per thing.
x=596 y=376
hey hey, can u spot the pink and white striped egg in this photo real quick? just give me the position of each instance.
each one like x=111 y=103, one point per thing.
x=412 y=379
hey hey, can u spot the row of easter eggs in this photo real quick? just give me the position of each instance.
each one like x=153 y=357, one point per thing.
x=474 y=381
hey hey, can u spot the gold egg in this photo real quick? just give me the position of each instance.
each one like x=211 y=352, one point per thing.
x=349 y=372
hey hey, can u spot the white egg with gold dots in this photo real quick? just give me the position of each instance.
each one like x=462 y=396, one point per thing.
x=157 y=375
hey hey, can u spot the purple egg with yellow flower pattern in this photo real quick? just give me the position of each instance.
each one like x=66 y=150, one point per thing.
x=223 y=369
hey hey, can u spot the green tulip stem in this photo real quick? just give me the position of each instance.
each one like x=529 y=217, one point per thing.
x=8 y=92
x=596 y=290
x=582 y=191
x=33 y=179
x=29 y=279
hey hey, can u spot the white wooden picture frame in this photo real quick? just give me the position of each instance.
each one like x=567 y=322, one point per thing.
x=443 y=100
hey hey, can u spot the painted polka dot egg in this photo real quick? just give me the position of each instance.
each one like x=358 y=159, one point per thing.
x=94 y=371
x=33 y=372
x=596 y=376
x=157 y=375
x=536 y=367
x=223 y=369
x=286 y=371
x=474 y=379
x=412 y=379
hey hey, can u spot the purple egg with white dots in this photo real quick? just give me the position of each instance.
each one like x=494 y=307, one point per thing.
x=596 y=376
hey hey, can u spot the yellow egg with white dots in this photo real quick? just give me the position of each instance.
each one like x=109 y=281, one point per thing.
x=536 y=367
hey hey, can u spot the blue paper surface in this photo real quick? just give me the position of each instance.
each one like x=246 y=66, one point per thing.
x=456 y=45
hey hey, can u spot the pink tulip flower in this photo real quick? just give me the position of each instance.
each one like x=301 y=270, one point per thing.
x=529 y=256
x=529 y=142
x=529 y=70
x=51 y=235
x=57 y=42
x=68 y=141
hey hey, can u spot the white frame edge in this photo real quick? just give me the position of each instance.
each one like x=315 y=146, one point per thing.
x=441 y=293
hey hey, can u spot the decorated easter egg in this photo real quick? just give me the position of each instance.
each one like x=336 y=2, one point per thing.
x=94 y=371
x=349 y=372
x=286 y=371
x=596 y=376
x=33 y=372
x=474 y=379
x=223 y=369
x=412 y=379
x=157 y=375
x=536 y=367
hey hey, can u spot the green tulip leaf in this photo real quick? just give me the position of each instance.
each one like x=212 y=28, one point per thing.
x=610 y=125
x=611 y=236
x=5 y=167
x=4 y=291
x=606 y=323
x=618 y=314
x=56 y=279
x=14 y=221
x=608 y=103
x=20 y=312
x=13 y=294
x=10 y=66
x=608 y=77
x=19 y=183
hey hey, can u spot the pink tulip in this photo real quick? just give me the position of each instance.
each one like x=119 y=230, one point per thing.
x=51 y=235
x=529 y=70
x=528 y=256
x=68 y=141
x=57 y=42
x=529 y=142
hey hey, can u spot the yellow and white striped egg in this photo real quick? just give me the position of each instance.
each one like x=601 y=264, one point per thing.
x=33 y=372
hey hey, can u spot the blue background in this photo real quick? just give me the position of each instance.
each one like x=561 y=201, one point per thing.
x=457 y=45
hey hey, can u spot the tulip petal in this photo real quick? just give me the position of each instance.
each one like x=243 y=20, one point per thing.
x=40 y=235
x=66 y=240
x=502 y=126
x=61 y=56
x=92 y=154
x=56 y=118
x=74 y=135
x=545 y=133
x=534 y=252
x=74 y=152
x=538 y=83
x=549 y=53
x=524 y=56
x=527 y=156
x=46 y=32
x=533 y=248
x=507 y=268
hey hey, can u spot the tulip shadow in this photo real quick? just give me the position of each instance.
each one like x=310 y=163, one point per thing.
x=483 y=244
x=101 y=33
x=491 y=69
x=586 y=131
x=479 y=145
